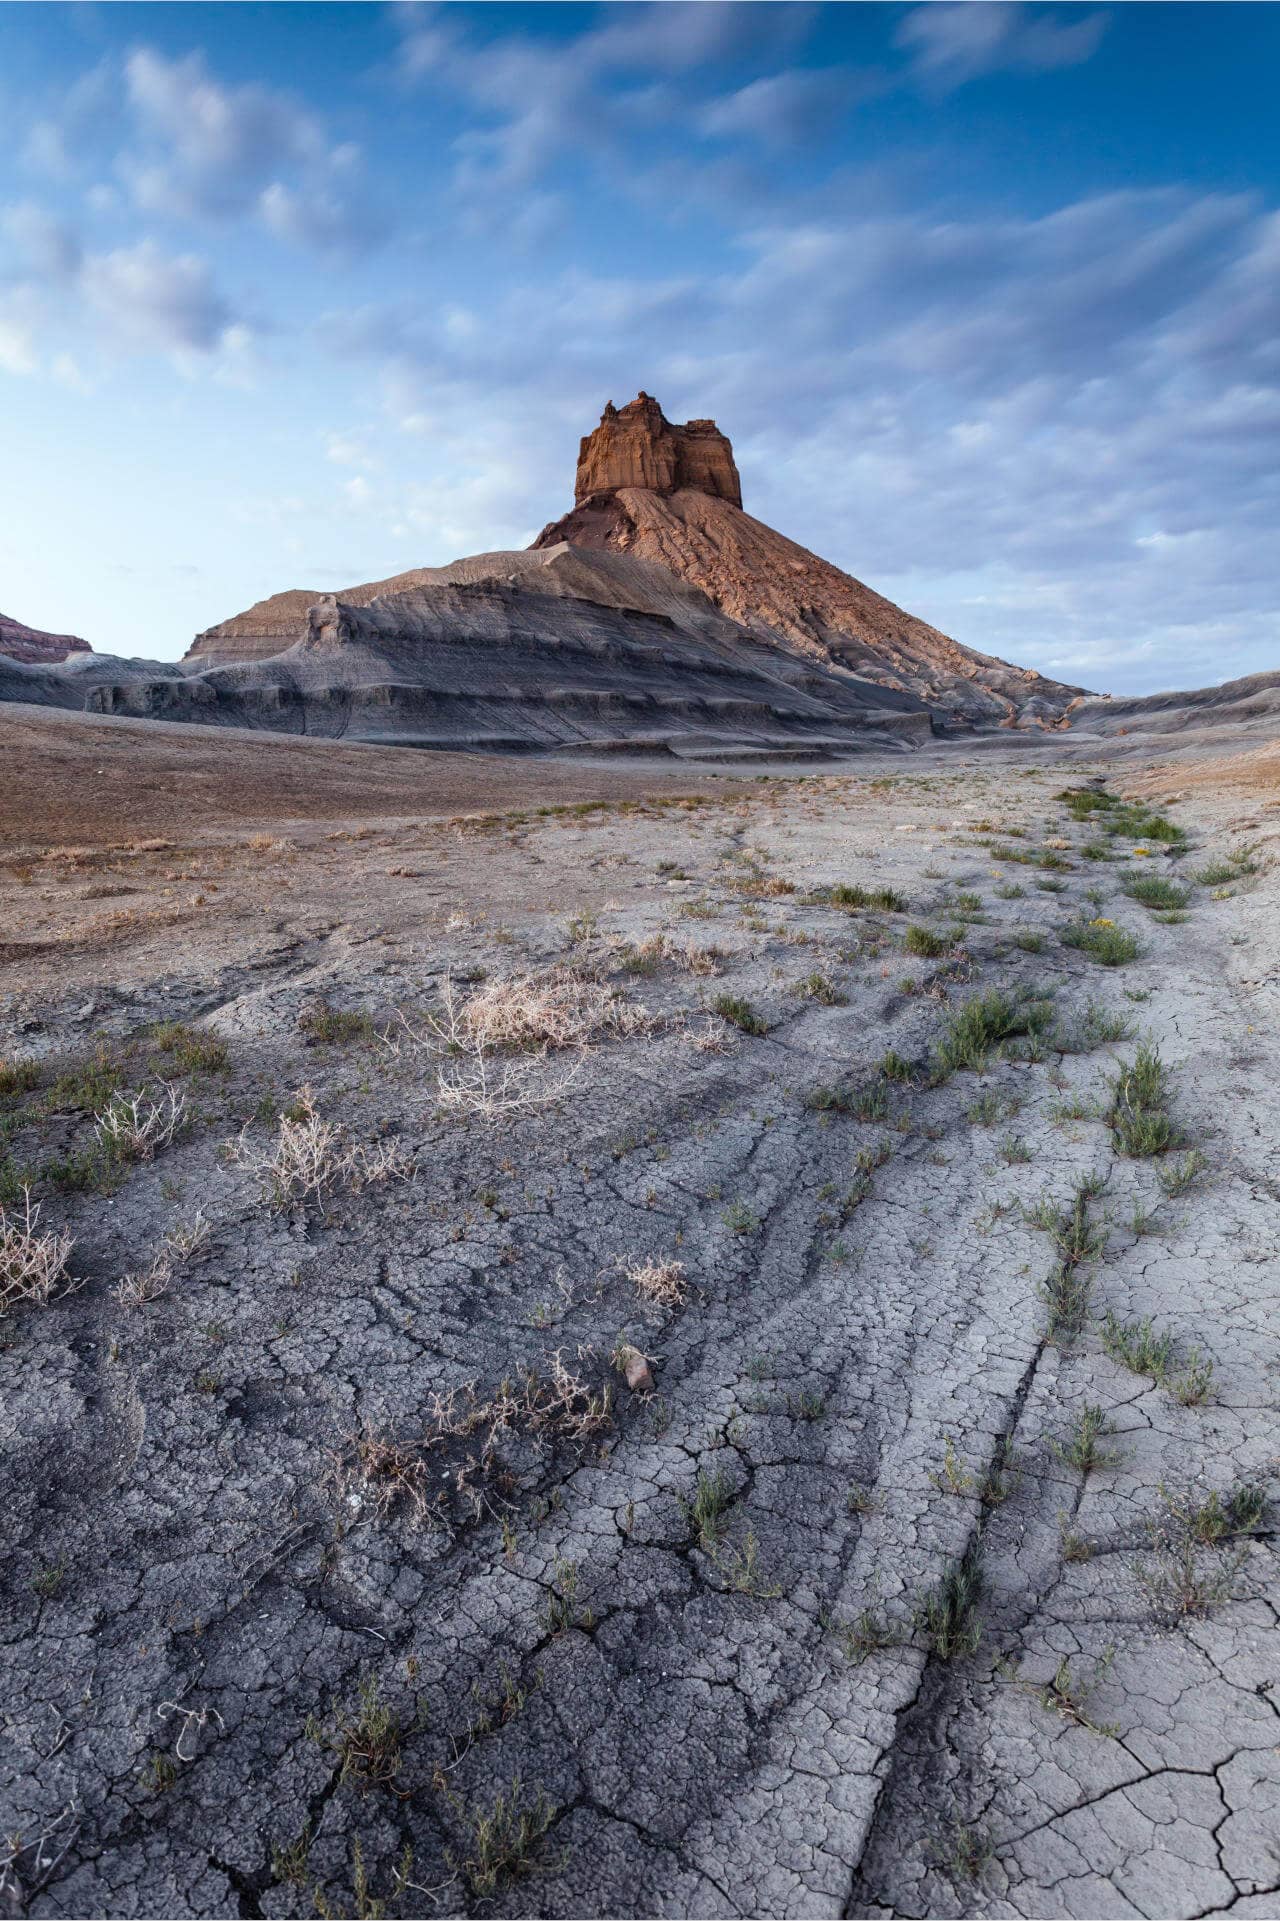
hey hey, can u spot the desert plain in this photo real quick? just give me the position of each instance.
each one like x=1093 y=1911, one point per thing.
x=631 y=1339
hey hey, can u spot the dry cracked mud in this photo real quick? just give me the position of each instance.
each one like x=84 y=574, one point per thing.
x=929 y=1568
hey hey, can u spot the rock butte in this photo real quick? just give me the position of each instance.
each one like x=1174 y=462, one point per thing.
x=669 y=494
x=770 y=584
x=637 y=446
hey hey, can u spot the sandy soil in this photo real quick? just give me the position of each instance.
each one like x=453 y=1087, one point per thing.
x=349 y=1568
x=70 y=777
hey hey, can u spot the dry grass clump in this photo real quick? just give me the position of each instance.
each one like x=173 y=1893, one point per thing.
x=523 y=1014
x=311 y=1155
x=132 y=1127
x=713 y=1039
x=700 y=960
x=188 y=1237
x=441 y=1476
x=33 y=1266
x=662 y=1283
x=148 y=1284
x=527 y=1014
x=647 y=956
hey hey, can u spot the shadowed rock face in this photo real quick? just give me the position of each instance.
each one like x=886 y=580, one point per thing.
x=637 y=446
x=30 y=644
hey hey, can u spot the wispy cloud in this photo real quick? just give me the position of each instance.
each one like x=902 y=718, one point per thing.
x=952 y=41
x=152 y=297
x=204 y=148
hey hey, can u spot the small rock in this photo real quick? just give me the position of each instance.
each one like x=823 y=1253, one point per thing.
x=634 y=1368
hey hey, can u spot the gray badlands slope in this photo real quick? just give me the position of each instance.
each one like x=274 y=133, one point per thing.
x=519 y=651
x=1247 y=711
x=926 y=1565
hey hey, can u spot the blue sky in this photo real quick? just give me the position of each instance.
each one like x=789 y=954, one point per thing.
x=987 y=297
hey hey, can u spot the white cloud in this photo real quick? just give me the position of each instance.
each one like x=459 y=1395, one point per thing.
x=46 y=246
x=17 y=344
x=149 y=297
x=217 y=146
x=789 y=108
x=951 y=41
x=62 y=145
x=203 y=149
x=348 y=450
x=636 y=72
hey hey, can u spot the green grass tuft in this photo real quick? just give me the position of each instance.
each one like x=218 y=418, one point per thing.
x=983 y=1024
x=1109 y=945
x=740 y=1013
x=1153 y=890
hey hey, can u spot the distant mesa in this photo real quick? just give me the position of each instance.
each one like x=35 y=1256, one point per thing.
x=669 y=494
x=38 y=649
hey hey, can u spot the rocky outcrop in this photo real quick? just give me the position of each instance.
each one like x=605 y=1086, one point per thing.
x=678 y=620
x=652 y=490
x=264 y=629
x=634 y=496
x=637 y=446
x=36 y=648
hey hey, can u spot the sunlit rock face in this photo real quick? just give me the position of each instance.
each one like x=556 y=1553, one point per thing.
x=637 y=446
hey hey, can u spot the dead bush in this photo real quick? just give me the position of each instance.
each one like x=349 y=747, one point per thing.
x=713 y=1039
x=132 y=1126
x=33 y=1265
x=701 y=960
x=188 y=1237
x=526 y=1014
x=662 y=1283
x=135 y=1290
x=521 y=1015
x=443 y=1476
x=311 y=1155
